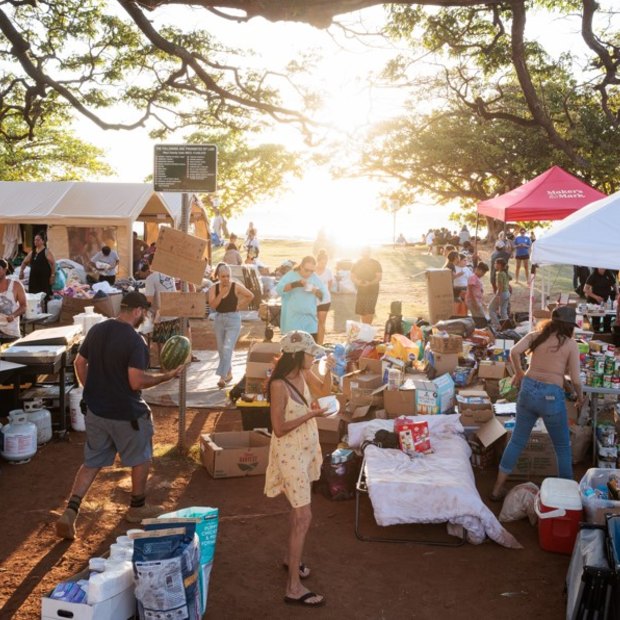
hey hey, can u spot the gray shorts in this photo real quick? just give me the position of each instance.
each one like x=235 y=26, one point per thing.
x=106 y=438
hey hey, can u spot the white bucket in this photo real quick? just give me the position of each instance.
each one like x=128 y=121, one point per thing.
x=34 y=305
x=78 y=422
x=54 y=307
x=86 y=320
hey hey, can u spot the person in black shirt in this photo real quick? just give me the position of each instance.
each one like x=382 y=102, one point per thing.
x=111 y=366
x=366 y=275
x=599 y=287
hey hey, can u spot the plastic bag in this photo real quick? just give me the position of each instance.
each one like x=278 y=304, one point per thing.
x=580 y=442
x=60 y=279
x=360 y=331
x=519 y=503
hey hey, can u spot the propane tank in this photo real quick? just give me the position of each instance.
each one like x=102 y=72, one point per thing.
x=19 y=439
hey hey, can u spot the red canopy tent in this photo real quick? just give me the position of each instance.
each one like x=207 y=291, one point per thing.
x=552 y=195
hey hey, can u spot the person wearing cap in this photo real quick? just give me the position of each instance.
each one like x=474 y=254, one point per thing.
x=553 y=354
x=523 y=245
x=294 y=453
x=12 y=304
x=111 y=366
x=300 y=288
x=500 y=252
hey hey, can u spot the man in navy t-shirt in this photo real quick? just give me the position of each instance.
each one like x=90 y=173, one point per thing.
x=111 y=365
x=522 y=254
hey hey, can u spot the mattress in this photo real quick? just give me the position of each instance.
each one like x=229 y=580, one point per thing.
x=430 y=488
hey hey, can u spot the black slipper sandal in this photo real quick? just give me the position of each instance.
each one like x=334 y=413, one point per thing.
x=303 y=600
x=304 y=571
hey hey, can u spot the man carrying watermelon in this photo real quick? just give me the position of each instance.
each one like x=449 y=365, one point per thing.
x=111 y=365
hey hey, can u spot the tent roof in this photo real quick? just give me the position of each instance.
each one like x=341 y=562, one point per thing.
x=51 y=202
x=552 y=195
x=588 y=237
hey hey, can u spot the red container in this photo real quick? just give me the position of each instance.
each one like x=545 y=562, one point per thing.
x=559 y=510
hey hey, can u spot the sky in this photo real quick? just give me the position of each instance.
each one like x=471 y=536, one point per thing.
x=349 y=207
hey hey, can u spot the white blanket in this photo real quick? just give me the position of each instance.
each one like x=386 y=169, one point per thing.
x=431 y=488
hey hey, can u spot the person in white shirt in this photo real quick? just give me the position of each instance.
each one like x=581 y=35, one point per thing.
x=461 y=276
x=430 y=238
x=106 y=256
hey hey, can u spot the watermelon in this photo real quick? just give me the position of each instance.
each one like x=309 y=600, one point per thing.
x=177 y=350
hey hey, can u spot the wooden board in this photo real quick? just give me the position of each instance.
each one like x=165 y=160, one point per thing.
x=180 y=255
x=190 y=305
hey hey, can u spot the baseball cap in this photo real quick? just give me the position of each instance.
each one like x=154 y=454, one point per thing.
x=296 y=341
x=500 y=245
x=565 y=314
x=135 y=300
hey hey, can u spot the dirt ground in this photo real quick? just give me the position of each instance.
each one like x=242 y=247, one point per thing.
x=360 y=579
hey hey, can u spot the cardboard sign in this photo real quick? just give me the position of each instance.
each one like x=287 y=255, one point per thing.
x=180 y=255
x=191 y=305
x=440 y=294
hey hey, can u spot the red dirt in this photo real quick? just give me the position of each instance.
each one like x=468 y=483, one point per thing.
x=360 y=579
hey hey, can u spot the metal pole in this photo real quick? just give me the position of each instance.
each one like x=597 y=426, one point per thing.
x=184 y=327
x=476 y=234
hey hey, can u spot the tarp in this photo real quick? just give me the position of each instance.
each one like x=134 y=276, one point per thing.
x=552 y=195
x=588 y=237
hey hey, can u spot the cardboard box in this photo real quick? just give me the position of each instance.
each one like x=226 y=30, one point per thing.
x=474 y=406
x=440 y=294
x=333 y=428
x=360 y=380
x=366 y=397
x=444 y=362
x=491 y=387
x=398 y=402
x=180 y=255
x=75 y=305
x=121 y=606
x=491 y=370
x=329 y=429
x=433 y=397
x=486 y=443
x=191 y=305
x=370 y=365
x=537 y=459
x=241 y=453
x=258 y=366
x=448 y=343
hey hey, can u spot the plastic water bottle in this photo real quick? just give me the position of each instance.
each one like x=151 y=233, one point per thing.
x=116 y=578
x=510 y=424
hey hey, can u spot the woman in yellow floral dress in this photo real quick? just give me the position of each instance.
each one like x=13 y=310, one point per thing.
x=295 y=454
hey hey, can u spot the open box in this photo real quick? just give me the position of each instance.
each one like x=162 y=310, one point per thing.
x=474 y=406
x=486 y=443
x=241 y=453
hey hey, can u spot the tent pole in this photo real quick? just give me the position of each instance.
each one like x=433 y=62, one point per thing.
x=476 y=234
x=184 y=327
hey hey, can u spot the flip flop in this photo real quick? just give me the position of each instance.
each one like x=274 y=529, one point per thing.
x=498 y=498
x=304 y=571
x=221 y=384
x=303 y=600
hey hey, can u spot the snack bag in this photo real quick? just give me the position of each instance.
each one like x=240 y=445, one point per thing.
x=414 y=437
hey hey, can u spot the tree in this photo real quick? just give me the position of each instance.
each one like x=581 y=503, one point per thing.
x=247 y=173
x=455 y=154
x=93 y=54
x=54 y=154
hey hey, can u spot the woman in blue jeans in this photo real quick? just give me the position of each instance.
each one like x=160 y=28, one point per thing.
x=226 y=297
x=553 y=355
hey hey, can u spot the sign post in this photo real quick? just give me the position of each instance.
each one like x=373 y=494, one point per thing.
x=185 y=168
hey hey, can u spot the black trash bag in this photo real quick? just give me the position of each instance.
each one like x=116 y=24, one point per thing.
x=337 y=481
x=463 y=326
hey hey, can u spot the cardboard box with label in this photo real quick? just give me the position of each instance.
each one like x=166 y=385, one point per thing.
x=486 y=443
x=259 y=364
x=491 y=370
x=446 y=343
x=241 y=453
x=538 y=459
x=433 y=397
x=370 y=365
x=440 y=294
x=360 y=380
x=474 y=406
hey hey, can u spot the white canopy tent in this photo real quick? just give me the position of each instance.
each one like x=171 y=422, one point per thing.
x=590 y=236
x=114 y=207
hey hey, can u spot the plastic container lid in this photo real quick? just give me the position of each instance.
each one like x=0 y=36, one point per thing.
x=560 y=493
x=97 y=564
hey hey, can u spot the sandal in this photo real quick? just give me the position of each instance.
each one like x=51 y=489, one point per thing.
x=304 y=571
x=499 y=497
x=221 y=384
x=303 y=600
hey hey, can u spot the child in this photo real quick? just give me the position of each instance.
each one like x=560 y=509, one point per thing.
x=475 y=293
x=498 y=308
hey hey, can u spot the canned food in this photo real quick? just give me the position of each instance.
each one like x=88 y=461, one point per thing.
x=607 y=381
x=599 y=364
x=597 y=381
x=610 y=365
x=589 y=362
x=615 y=383
x=589 y=375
